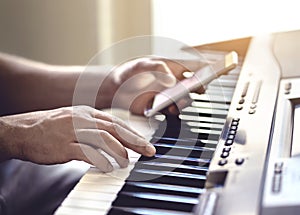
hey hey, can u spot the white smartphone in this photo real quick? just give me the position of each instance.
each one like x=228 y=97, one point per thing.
x=200 y=78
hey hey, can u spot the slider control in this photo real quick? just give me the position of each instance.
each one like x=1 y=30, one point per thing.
x=256 y=92
x=207 y=204
x=245 y=90
x=243 y=95
x=255 y=98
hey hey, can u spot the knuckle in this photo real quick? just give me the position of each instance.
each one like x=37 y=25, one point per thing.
x=104 y=133
x=160 y=66
x=116 y=127
x=113 y=126
x=139 y=65
x=81 y=108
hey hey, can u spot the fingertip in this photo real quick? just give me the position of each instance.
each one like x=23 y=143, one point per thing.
x=124 y=164
x=109 y=168
x=173 y=109
x=104 y=168
x=201 y=90
x=150 y=150
x=92 y=156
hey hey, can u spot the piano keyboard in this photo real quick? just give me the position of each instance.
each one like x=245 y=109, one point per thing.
x=171 y=181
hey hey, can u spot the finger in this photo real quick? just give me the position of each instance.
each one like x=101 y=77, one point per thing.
x=201 y=89
x=144 y=100
x=158 y=68
x=127 y=138
x=108 y=117
x=193 y=64
x=106 y=142
x=90 y=155
x=177 y=69
x=182 y=103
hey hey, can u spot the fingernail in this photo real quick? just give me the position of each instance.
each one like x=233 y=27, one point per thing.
x=150 y=149
x=124 y=163
x=109 y=168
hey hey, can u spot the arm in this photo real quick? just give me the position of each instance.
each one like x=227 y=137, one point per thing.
x=59 y=135
x=79 y=132
x=28 y=86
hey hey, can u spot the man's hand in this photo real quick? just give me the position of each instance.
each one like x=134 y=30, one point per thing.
x=71 y=133
x=139 y=80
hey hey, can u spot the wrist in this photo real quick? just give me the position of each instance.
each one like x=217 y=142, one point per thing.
x=7 y=145
x=106 y=92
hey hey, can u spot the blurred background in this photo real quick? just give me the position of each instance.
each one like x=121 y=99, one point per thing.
x=73 y=31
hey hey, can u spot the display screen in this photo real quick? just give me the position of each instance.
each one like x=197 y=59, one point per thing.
x=296 y=131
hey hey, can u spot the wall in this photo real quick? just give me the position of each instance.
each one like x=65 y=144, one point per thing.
x=196 y=22
x=69 y=31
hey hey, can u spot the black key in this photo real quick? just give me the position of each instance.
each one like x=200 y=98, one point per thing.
x=195 y=152
x=149 y=200
x=172 y=167
x=119 y=211
x=183 y=142
x=144 y=211
x=165 y=177
x=162 y=189
x=159 y=158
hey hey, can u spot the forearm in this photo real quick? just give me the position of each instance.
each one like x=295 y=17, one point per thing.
x=27 y=86
x=8 y=146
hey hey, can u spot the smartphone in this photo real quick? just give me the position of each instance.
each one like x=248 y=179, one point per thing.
x=200 y=78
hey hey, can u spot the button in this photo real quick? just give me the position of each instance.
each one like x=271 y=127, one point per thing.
x=222 y=162
x=288 y=86
x=224 y=154
x=240 y=107
x=233 y=127
x=241 y=101
x=234 y=123
x=276 y=183
x=253 y=106
x=228 y=142
x=239 y=161
x=278 y=167
x=230 y=137
x=232 y=132
x=226 y=149
x=251 y=111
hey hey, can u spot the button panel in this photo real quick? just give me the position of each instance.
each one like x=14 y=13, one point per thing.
x=230 y=136
x=287 y=88
x=243 y=95
x=255 y=96
x=277 y=177
x=239 y=161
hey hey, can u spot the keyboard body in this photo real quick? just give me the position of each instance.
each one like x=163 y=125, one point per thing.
x=230 y=152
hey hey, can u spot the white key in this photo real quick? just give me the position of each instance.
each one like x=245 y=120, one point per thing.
x=64 y=210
